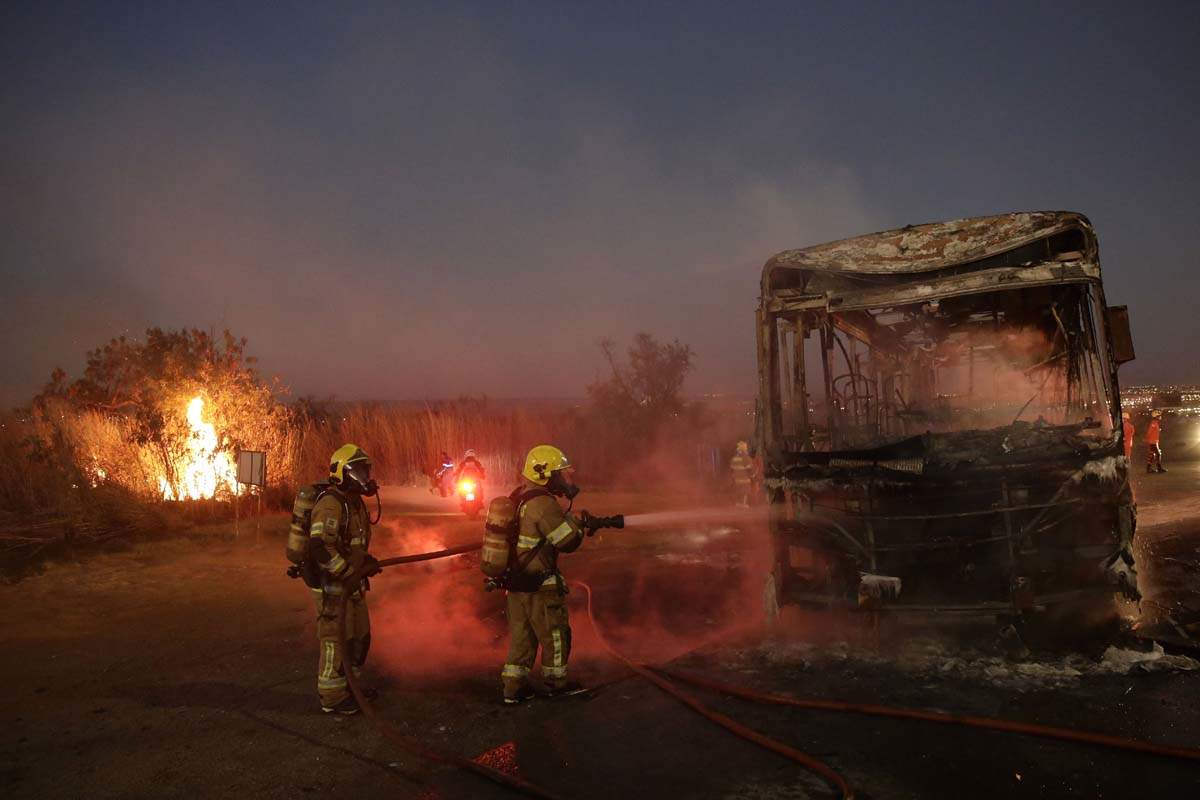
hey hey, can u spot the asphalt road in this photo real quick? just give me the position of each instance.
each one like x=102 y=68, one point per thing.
x=184 y=667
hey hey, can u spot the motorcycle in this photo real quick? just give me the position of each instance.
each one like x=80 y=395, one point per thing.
x=470 y=497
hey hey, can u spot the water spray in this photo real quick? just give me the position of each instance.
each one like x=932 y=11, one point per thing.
x=717 y=514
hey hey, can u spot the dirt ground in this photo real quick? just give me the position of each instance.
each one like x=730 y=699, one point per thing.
x=184 y=667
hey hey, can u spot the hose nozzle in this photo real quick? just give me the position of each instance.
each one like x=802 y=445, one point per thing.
x=593 y=523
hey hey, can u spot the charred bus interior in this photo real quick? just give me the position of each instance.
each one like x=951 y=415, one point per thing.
x=944 y=436
x=977 y=362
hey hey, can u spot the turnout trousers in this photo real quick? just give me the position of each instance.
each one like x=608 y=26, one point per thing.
x=331 y=680
x=1154 y=457
x=537 y=619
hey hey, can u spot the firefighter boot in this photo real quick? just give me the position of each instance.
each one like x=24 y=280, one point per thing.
x=348 y=707
x=518 y=695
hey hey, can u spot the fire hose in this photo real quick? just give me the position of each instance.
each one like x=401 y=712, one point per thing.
x=810 y=763
x=987 y=723
x=407 y=742
x=826 y=772
x=655 y=676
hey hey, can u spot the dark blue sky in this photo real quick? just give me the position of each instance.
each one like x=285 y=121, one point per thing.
x=416 y=201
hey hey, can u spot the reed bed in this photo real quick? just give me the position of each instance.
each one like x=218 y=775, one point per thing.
x=77 y=475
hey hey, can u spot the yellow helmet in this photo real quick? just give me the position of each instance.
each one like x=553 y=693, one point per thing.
x=343 y=457
x=743 y=448
x=542 y=461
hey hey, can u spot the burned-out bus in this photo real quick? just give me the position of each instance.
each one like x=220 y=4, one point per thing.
x=940 y=422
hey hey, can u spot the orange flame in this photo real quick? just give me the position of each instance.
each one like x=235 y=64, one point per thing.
x=206 y=468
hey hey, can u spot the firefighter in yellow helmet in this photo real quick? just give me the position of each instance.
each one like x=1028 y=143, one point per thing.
x=536 y=602
x=341 y=534
x=741 y=467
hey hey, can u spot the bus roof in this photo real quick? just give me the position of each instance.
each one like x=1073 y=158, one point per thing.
x=935 y=245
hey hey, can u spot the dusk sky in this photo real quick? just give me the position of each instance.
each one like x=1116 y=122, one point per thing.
x=402 y=201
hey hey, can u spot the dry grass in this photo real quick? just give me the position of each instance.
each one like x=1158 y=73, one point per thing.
x=74 y=479
x=51 y=489
x=53 y=455
x=405 y=442
x=82 y=476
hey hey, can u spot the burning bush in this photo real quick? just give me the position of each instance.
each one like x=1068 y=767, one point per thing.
x=180 y=403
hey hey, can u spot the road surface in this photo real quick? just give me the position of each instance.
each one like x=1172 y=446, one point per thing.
x=183 y=667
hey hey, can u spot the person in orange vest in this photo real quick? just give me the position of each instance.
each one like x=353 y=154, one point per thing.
x=1153 y=450
x=1127 y=429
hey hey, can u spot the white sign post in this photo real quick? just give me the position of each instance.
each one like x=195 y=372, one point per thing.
x=251 y=471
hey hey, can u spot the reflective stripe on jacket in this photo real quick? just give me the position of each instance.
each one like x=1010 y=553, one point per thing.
x=742 y=468
x=543 y=518
x=345 y=547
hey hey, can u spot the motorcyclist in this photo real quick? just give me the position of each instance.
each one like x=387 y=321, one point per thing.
x=341 y=535
x=470 y=467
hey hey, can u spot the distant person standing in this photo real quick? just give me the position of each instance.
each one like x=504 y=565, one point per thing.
x=1153 y=450
x=443 y=475
x=1128 y=431
x=757 y=476
x=741 y=468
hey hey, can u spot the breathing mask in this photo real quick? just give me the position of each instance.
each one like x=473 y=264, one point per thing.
x=357 y=478
x=562 y=485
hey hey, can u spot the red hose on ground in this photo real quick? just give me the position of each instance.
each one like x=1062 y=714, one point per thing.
x=408 y=743
x=803 y=759
x=808 y=762
x=1007 y=726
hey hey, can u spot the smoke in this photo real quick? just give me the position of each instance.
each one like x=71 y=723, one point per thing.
x=432 y=619
x=977 y=377
x=661 y=592
x=1016 y=370
x=407 y=203
x=406 y=537
x=431 y=623
x=411 y=172
x=666 y=585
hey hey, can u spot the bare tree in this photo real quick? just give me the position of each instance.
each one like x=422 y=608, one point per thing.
x=645 y=392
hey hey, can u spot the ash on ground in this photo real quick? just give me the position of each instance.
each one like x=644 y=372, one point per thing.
x=924 y=660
